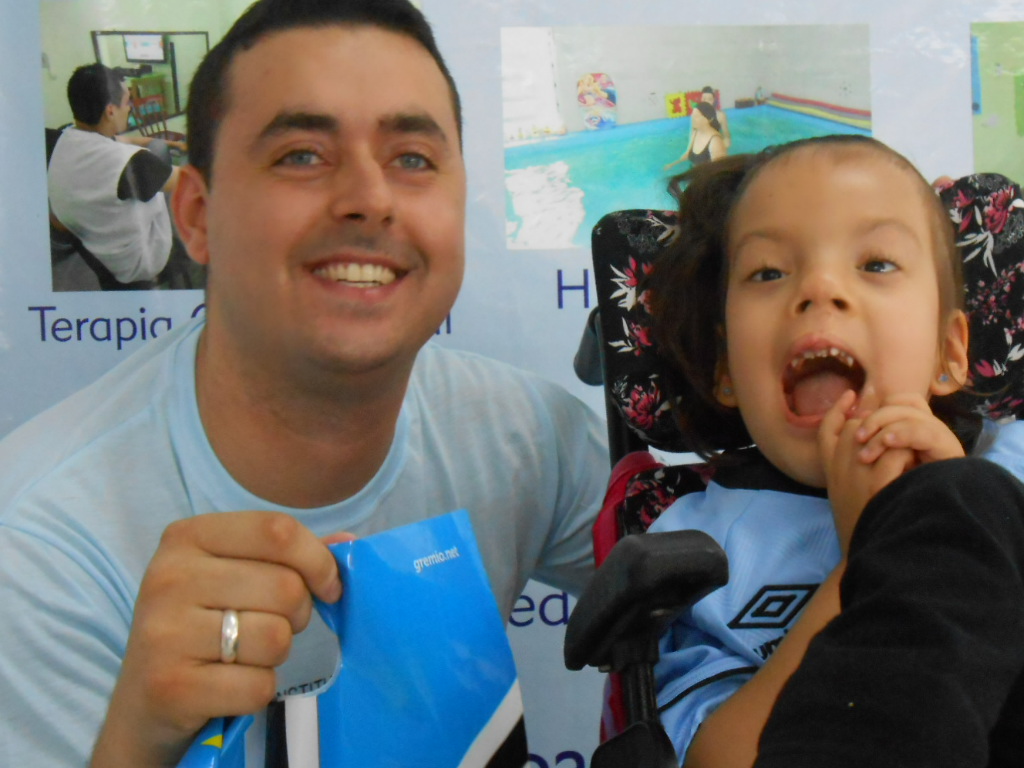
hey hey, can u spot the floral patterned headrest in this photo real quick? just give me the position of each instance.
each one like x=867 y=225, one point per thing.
x=624 y=245
x=987 y=211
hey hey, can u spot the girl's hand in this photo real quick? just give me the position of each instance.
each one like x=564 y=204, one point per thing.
x=852 y=482
x=906 y=421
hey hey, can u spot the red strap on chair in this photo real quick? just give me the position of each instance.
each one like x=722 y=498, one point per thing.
x=606 y=527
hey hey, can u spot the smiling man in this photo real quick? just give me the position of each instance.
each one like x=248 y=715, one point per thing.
x=162 y=529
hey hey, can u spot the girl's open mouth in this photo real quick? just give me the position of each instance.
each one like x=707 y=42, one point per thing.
x=814 y=380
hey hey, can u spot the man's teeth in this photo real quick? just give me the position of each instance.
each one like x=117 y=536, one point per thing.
x=843 y=357
x=367 y=275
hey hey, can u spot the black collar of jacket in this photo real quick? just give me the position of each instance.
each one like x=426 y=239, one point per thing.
x=748 y=469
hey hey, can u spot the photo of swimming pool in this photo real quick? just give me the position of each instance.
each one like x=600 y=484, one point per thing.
x=557 y=189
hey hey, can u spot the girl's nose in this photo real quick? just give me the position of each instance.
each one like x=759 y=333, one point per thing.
x=821 y=288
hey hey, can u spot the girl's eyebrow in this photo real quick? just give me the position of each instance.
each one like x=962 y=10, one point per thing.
x=762 y=233
x=777 y=234
x=889 y=223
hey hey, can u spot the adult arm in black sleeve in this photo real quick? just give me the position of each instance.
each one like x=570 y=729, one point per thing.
x=143 y=177
x=923 y=666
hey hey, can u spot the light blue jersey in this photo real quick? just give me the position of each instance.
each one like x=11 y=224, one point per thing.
x=781 y=543
x=781 y=546
x=87 y=488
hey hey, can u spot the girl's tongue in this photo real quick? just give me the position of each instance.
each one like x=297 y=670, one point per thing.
x=814 y=394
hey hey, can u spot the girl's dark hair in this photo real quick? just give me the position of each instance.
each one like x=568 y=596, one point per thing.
x=687 y=300
x=688 y=284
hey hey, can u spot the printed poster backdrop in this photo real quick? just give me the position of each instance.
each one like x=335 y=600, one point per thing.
x=940 y=80
x=564 y=168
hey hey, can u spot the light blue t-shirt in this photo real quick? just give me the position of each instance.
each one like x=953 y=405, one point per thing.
x=87 y=488
x=781 y=546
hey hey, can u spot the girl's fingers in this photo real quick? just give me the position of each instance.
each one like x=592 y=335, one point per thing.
x=832 y=424
x=894 y=408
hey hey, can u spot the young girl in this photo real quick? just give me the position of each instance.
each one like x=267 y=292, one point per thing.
x=811 y=306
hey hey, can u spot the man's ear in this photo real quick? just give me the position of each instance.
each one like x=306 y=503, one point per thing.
x=189 y=206
x=954 y=364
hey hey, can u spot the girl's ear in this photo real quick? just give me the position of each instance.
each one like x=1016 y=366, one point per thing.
x=953 y=367
x=724 y=392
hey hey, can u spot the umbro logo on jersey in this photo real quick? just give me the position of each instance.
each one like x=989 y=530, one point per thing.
x=773 y=607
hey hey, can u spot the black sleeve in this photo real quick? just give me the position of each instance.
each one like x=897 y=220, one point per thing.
x=144 y=175
x=923 y=667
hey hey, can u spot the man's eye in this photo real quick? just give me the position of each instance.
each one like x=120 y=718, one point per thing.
x=300 y=157
x=413 y=161
x=766 y=274
x=879 y=265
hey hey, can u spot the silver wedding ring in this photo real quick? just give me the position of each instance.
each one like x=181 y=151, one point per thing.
x=229 y=636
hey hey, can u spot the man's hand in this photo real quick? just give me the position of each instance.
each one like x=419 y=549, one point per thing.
x=264 y=565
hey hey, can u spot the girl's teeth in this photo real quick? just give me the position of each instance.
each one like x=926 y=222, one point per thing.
x=835 y=352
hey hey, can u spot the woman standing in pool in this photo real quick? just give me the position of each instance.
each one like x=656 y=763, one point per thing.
x=706 y=133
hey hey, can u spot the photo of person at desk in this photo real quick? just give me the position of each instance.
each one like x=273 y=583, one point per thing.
x=107 y=190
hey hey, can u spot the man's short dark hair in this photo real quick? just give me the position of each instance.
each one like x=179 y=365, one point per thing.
x=208 y=95
x=707 y=89
x=91 y=88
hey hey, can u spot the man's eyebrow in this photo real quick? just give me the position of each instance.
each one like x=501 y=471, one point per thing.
x=413 y=122
x=402 y=122
x=299 y=121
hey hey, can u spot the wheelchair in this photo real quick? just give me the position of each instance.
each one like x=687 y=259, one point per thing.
x=644 y=582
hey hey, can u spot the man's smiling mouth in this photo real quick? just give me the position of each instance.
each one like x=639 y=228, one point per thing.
x=357 y=275
x=815 y=379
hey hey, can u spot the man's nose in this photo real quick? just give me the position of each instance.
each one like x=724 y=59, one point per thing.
x=362 y=192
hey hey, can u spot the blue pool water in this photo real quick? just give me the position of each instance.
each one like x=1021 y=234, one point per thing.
x=622 y=167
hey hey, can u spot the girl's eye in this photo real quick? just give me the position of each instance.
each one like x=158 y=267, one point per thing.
x=300 y=157
x=879 y=265
x=766 y=274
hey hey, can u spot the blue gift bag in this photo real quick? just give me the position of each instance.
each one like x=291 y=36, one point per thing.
x=427 y=677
